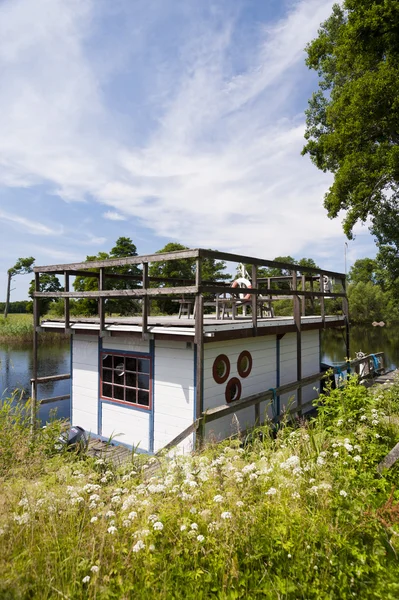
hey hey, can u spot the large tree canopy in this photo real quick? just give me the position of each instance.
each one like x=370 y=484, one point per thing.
x=353 y=119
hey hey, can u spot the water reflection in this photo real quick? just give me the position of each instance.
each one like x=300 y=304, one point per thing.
x=16 y=367
x=367 y=339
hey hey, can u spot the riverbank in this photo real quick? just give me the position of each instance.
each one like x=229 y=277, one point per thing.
x=17 y=330
x=300 y=515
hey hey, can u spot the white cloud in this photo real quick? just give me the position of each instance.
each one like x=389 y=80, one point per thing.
x=113 y=216
x=29 y=226
x=221 y=167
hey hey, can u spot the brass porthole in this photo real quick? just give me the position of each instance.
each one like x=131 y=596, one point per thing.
x=221 y=368
x=244 y=364
x=233 y=390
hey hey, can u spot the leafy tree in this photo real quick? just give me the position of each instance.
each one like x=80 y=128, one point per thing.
x=367 y=302
x=353 y=119
x=363 y=270
x=124 y=247
x=21 y=267
x=47 y=283
x=184 y=269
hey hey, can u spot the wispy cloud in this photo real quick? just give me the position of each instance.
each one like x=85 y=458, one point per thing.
x=29 y=226
x=220 y=165
x=113 y=216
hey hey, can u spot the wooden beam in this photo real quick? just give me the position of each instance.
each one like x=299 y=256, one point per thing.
x=260 y=262
x=50 y=378
x=138 y=293
x=303 y=307
x=322 y=308
x=101 y=307
x=182 y=436
x=119 y=262
x=223 y=410
x=254 y=303
x=36 y=324
x=66 y=302
x=297 y=321
x=217 y=289
x=199 y=345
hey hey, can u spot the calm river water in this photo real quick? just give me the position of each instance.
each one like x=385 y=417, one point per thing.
x=16 y=363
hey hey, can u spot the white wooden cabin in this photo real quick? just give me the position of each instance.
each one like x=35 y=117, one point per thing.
x=141 y=381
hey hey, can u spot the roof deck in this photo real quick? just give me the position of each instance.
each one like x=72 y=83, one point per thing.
x=207 y=308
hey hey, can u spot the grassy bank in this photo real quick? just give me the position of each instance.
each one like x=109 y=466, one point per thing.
x=17 y=329
x=301 y=515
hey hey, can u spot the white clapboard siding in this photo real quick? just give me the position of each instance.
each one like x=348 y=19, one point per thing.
x=85 y=379
x=262 y=377
x=125 y=344
x=126 y=425
x=310 y=346
x=173 y=392
x=310 y=363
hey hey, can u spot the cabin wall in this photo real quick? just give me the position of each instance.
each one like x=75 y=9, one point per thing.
x=274 y=364
x=172 y=392
x=174 y=366
x=85 y=382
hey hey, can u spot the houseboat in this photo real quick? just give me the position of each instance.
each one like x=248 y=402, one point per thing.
x=224 y=362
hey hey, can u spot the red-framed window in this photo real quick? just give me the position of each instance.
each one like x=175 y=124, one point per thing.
x=126 y=378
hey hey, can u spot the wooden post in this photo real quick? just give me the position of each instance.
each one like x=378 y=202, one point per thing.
x=297 y=321
x=66 y=303
x=312 y=298
x=254 y=301
x=146 y=301
x=199 y=343
x=303 y=280
x=322 y=310
x=36 y=324
x=345 y=310
x=101 y=305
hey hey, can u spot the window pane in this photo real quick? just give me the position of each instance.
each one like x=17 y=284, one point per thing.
x=143 y=365
x=143 y=398
x=107 y=375
x=107 y=390
x=107 y=360
x=143 y=381
x=131 y=364
x=131 y=380
x=119 y=392
x=130 y=395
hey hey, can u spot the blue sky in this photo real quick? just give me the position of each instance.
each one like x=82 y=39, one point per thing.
x=168 y=120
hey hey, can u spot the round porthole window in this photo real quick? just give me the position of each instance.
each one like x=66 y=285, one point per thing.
x=244 y=364
x=233 y=390
x=221 y=368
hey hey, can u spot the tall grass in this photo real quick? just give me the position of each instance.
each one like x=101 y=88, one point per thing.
x=17 y=329
x=299 y=515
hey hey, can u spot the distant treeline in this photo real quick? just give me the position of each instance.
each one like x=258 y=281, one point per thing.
x=20 y=306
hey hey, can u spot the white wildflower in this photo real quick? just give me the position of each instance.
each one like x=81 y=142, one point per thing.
x=226 y=515
x=348 y=447
x=153 y=518
x=194 y=526
x=109 y=514
x=357 y=458
x=343 y=493
x=377 y=436
x=158 y=526
x=271 y=491
x=335 y=454
x=295 y=495
x=132 y=515
x=313 y=490
x=151 y=547
x=126 y=522
x=249 y=468
x=363 y=418
x=112 y=529
x=253 y=476
x=218 y=498
x=339 y=422
x=320 y=460
x=374 y=422
x=94 y=498
x=94 y=569
x=239 y=503
x=94 y=520
x=86 y=579
x=183 y=527
x=200 y=538
x=139 y=545
x=116 y=500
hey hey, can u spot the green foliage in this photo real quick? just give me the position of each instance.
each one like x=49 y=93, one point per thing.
x=363 y=270
x=353 y=119
x=184 y=271
x=367 y=302
x=16 y=307
x=124 y=247
x=299 y=515
x=22 y=266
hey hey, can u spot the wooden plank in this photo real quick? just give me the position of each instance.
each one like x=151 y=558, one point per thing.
x=54 y=399
x=119 y=262
x=254 y=301
x=303 y=307
x=223 y=410
x=138 y=293
x=51 y=378
x=217 y=289
x=322 y=308
x=36 y=324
